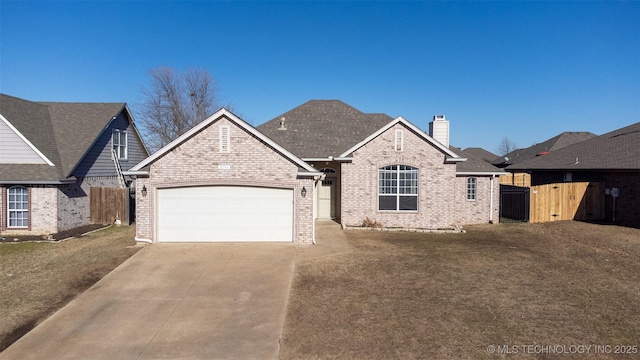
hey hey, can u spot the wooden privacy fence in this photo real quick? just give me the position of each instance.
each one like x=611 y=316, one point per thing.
x=567 y=201
x=108 y=204
x=516 y=179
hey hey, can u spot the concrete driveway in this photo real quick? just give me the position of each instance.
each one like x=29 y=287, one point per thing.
x=175 y=301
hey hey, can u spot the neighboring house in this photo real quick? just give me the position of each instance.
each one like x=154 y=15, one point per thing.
x=520 y=155
x=555 y=143
x=51 y=153
x=481 y=154
x=612 y=158
x=225 y=180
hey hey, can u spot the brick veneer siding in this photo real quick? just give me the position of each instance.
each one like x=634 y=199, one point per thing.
x=250 y=162
x=56 y=208
x=477 y=211
x=436 y=189
x=42 y=211
x=73 y=201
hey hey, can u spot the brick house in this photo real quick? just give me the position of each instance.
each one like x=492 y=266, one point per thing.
x=612 y=158
x=225 y=180
x=52 y=153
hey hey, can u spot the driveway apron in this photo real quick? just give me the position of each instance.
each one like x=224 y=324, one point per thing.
x=175 y=301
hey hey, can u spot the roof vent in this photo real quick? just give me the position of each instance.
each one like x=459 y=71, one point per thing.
x=282 y=125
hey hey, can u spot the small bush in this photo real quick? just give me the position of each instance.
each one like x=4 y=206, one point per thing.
x=371 y=223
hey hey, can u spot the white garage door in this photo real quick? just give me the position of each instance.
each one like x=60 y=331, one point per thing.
x=225 y=213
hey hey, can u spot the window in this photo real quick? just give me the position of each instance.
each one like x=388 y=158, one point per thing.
x=119 y=140
x=18 y=207
x=471 y=188
x=225 y=139
x=327 y=171
x=398 y=188
x=568 y=176
x=399 y=141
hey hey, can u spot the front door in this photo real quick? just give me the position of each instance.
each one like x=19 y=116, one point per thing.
x=326 y=195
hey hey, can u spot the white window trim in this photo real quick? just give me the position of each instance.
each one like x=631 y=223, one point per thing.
x=225 y=139
x=398 y=195
x=9 y=210
x=473 y=183
x=126 y=143
x=399 y=140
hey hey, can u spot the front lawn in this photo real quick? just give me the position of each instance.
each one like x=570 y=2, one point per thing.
x=36 y=279
x=520 y=289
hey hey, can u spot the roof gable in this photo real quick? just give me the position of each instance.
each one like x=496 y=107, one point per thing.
x=616 y=150
x=322 y=128
x=15 y=148
x=209 y=121
x=31 y=122
x=400 y=120
x=77 y=126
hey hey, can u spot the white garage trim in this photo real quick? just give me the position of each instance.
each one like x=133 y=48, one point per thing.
x=224 y=214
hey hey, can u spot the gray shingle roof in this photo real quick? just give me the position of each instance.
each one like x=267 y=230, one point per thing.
x=616 y=150
x=77 y=125
x=473 y=164
x=322 y=128
x=63 y=132
x=481 y=154
x=555 y=143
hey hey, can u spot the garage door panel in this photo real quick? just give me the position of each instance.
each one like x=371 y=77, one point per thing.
x=225 y=213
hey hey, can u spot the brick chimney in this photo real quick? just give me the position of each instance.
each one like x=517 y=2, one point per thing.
x=439 y=129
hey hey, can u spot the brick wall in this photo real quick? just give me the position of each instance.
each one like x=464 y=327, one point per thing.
x=436 y=205
x=477 y=211
x=250 y=162
x=42 y=210
x=73 y=201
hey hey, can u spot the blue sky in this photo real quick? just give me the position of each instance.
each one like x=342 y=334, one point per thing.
x=524 y=70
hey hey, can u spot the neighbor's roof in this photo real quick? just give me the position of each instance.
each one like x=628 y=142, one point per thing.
x=62 y=132
x=77 y=125
x=617 y=150
x=474 y=164
x=555 y=143
x=322 y=128
x=481 y=154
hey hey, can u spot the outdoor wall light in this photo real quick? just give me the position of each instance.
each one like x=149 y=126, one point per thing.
x=144 y=191
x=303 y=192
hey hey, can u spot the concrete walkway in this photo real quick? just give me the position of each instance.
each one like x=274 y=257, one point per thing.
x=175 y=301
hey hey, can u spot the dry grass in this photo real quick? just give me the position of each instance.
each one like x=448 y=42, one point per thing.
x=36 y=279
x=450 y=296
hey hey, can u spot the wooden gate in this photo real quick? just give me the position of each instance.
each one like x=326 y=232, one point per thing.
x=108 y=205
x=567 y=201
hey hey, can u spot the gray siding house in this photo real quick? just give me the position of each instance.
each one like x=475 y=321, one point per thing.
x=52 y=153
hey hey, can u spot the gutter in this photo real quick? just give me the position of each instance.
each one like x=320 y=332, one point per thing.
x=135 y=173
x=40 y=182
x=479 y=173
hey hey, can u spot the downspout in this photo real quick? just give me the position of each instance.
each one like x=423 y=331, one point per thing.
x=491 y=200
x=316 y=179
x=137 y=239
x=313 y=225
